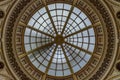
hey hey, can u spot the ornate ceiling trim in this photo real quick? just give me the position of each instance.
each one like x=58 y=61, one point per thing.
x=9 y=34
x=9 y=51
x=111 y=39
x=115 y=2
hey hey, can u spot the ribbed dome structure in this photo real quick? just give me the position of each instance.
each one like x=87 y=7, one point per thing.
x=59 y=40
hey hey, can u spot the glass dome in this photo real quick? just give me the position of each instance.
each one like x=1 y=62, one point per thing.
x=59 y=39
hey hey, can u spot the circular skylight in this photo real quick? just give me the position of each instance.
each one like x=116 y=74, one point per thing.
x=59 y=39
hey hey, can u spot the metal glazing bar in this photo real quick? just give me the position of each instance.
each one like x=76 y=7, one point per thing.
x=70 y=12
x=44 y=76
x=47 y=9
x=36 y=49
x=68 y=62
x=88 y=52
x=30 y=27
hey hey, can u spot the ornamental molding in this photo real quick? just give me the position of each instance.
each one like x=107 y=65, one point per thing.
x=116 y=3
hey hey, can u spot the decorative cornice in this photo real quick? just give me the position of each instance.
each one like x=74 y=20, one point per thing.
x=8 y=40
x=111 y=39
x=114 y=2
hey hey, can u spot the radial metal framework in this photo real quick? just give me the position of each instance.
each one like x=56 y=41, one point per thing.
x=59 y=39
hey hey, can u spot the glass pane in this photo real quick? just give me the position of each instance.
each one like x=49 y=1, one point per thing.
x=33 y=46
x=73 y=62
x=59 y=66
x=91 y=31
x=78 y=20
x=92 y=39
x=91 y=48
x=82 y=25
x=87 y=22
x=37 y=25
x=59 y=5
x=52 y=6
x=85 y=33
x=73 y=16
x=85 y=46
x=26 y=39
x=76 y=68
x=83 y=16
x=36 y=16
x=36 y=63
x=78 y=59
x=45 y=16
x=42 y=68
x=33 y=33
x=67 y=6
x=33 y=39
x=59 y=73
x=40 y=20
x=86 y=39
x=31 y=22
x=87 y=57
x=45 y=62
x=27 y=32
x=27 y=48
x=53 y=13
x=41 y=59
x=53 y=66
x=65 y=13
x=31 y=57
x=42 y=11
x=82 y=54
x=67 y=72
x=44 y=24
x=65 y=66
x=51 y=72
x=59 y=12
x=76 y=10
x=36 y=54
x=82 y=63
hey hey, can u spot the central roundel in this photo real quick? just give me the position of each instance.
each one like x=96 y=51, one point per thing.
x=59 y=39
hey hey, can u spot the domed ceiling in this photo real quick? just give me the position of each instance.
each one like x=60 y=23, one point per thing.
x=59 y=40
